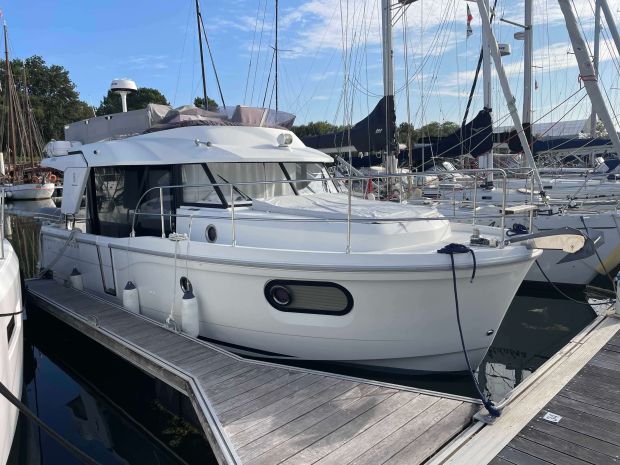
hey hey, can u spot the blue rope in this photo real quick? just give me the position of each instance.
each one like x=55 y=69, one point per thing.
x=451 y=249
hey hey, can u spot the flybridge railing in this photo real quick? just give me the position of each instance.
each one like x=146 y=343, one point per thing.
x=393 y=182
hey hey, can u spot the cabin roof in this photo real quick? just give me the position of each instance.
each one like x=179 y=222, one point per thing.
x=189 y=145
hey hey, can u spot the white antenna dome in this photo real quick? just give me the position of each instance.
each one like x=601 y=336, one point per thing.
x=123 y=84
x=122 y=87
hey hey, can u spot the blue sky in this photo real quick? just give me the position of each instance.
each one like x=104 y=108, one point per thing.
x=154 y=43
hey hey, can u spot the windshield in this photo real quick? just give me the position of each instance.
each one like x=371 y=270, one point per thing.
x=242 y=182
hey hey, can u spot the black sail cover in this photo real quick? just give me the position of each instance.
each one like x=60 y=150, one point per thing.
x=372 y=134
x=475 y=138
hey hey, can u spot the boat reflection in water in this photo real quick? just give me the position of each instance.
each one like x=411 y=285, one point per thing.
x=128 y=418
x=534 y=329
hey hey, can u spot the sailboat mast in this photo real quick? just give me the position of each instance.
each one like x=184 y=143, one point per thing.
x=503 y=79
x=202 y=60
x=388 y=84
x=276 y=59
x=587 y=72
x=527 y=67
x=9 y=103
x=611 y=24
x=595 y=58
x=487 y=160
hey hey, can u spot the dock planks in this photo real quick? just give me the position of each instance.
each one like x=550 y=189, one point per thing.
x=262 y=413
x=589 y=429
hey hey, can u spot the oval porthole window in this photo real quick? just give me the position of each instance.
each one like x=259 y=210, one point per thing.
x=211 y=233
x=319 y=297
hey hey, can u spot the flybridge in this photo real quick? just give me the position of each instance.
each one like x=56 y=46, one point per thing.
x=156 y=117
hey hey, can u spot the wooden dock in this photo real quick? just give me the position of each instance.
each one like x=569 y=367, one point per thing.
x=566 y=413
x=255 y=412
x=581 y=424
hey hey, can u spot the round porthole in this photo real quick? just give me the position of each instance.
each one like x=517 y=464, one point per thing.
x=186 y=285
x=281 y=295
x=211 y=233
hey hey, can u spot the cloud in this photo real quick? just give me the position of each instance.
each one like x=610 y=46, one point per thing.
x=145 y=62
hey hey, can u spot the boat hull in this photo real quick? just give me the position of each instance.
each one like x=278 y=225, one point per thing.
x=11 y=350
x=30 y=191
x=401 y=319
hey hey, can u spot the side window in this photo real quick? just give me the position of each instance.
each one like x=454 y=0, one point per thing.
x=309 y=171
x=115 y=192
x=197 y=186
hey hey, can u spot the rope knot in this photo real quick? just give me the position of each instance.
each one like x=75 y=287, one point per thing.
x=451 y=249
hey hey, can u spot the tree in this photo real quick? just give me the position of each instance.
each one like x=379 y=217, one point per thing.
x=600 y=129
x=315 y=129
x=53 y=97
x=211 y=104
x=137 y=100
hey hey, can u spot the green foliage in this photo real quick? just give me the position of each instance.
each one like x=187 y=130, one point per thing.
x=211 y=104
x=137 y=100
x=316 y=128
x=433 y=129
x=600 y=129
x=53 y=97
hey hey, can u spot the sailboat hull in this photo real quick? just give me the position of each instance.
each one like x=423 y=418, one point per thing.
x=30 y=191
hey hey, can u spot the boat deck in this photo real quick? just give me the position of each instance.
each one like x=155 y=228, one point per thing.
x=255 y=412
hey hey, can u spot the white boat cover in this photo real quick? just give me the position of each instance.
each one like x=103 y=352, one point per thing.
x=335 y=206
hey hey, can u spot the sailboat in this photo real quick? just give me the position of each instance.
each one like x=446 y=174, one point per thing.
x=23 y=179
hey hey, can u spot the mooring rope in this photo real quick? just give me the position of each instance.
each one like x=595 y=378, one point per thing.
x=6 y=393
x=451 y=249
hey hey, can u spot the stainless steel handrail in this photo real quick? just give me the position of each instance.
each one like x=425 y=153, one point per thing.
x=336 y=182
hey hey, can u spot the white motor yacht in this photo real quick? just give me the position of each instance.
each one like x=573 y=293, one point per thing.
x=11 y=343
x=238 y=235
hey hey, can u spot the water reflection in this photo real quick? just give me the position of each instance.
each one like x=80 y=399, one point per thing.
x=117 y=415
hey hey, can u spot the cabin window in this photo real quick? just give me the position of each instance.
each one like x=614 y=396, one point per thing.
x=197 y=187
x=239 y=173
x=323 y=183
x=115 y=193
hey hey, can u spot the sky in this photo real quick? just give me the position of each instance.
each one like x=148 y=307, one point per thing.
x=330 y=53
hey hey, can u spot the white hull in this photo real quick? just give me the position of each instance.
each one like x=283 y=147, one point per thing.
x=401 y=319
x=30 y=191
x=11 y=351
x=555 y=263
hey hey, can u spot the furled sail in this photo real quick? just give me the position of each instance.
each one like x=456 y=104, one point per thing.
x=372 y=134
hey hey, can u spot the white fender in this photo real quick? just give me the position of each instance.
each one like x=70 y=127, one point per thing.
x=190 y=323
x=131 y=299
x=75 y=278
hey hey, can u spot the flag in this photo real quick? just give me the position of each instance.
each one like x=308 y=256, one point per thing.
x=469 y=19
x=535 y=84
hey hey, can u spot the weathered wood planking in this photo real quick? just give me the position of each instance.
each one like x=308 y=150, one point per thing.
x=589 y=429
x=261 y=413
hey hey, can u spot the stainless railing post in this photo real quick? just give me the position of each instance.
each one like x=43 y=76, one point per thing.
x=161 y=211
x=2 y=224
x=475 y=198
x=348 y=250
x=531 y=176
x=232 y=217
x=503 y=216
